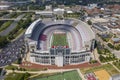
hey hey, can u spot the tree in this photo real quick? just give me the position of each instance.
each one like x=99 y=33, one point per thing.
x=102 y=58
x=26 y=76
x=13 y=69
x=3 y=41
x=89 y=22
x=110 y=45
x=19 y=60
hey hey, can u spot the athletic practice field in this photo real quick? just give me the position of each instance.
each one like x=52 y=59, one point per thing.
x=71 y=75
x=60 y=40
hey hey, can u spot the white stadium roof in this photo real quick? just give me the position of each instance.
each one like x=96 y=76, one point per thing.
x=44 y=12
x=4 y=6
x=58 y=9
x=31 y=27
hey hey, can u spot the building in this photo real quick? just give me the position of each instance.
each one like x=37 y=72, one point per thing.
x=59 y=11
x=40 y=2
x=50 y=13
x=71 y=46
x=48 y=7
x=115 y=77
x=100 y=28
x=4 y=7
x=45 y=13
x=91 y=6
x=2 y=74
x=115 y=41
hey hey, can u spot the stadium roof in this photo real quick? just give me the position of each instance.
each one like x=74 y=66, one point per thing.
x=4 y=6
x=85 y=31
x=115 y=77
x=44 y=12
x=59 y=9
x=31 y=27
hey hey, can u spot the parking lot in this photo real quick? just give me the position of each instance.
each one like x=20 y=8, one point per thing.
x=12 y=52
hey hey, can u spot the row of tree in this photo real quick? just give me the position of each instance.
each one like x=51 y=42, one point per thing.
x=3 y=41
x=22 y=24
x=107 y=58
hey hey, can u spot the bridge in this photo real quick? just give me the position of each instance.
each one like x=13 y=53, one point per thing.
x=11 y=19
x=19 y=11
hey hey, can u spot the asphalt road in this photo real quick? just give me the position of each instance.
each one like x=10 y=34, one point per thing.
x=12 y=26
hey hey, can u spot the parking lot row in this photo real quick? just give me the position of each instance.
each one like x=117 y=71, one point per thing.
x=12 y=52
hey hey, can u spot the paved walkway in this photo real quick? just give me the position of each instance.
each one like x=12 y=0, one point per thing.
x=96 y=55
x=111 y=62
x=80 y=74
x=38 y=66
x=46 y=72
x=115 y=67
x=41 y=72
x=15 y=65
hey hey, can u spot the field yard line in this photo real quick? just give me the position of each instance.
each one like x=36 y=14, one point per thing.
x=51 y=41
x=69 y=39
x=40 y=72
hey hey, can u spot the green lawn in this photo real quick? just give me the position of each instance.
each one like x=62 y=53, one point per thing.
x=17 y=76
x=59 y=40
x=70 y=75
x=108 y=67
x=10 y=67
x=5 y=25
x=117 y=64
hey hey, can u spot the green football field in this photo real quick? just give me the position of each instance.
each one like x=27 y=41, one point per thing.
x=59 y=40
x=71 y=75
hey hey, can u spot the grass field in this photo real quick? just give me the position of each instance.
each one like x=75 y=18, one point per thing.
x=59 y=40
x=17 y=76
x=71 y=75
x=10 y=67
x=5 y=25
x=108 y=67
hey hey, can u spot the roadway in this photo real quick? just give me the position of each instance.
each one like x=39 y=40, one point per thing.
x=11 y=19
x=19 y=11
x=12 y=26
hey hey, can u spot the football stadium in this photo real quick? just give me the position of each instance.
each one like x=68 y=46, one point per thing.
x=59 y=42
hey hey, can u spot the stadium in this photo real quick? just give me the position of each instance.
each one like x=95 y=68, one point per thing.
x=59 y=42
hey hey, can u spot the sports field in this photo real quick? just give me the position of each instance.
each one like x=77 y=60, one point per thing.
x=71 y=75
x=102 y=75
x=60 y=40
